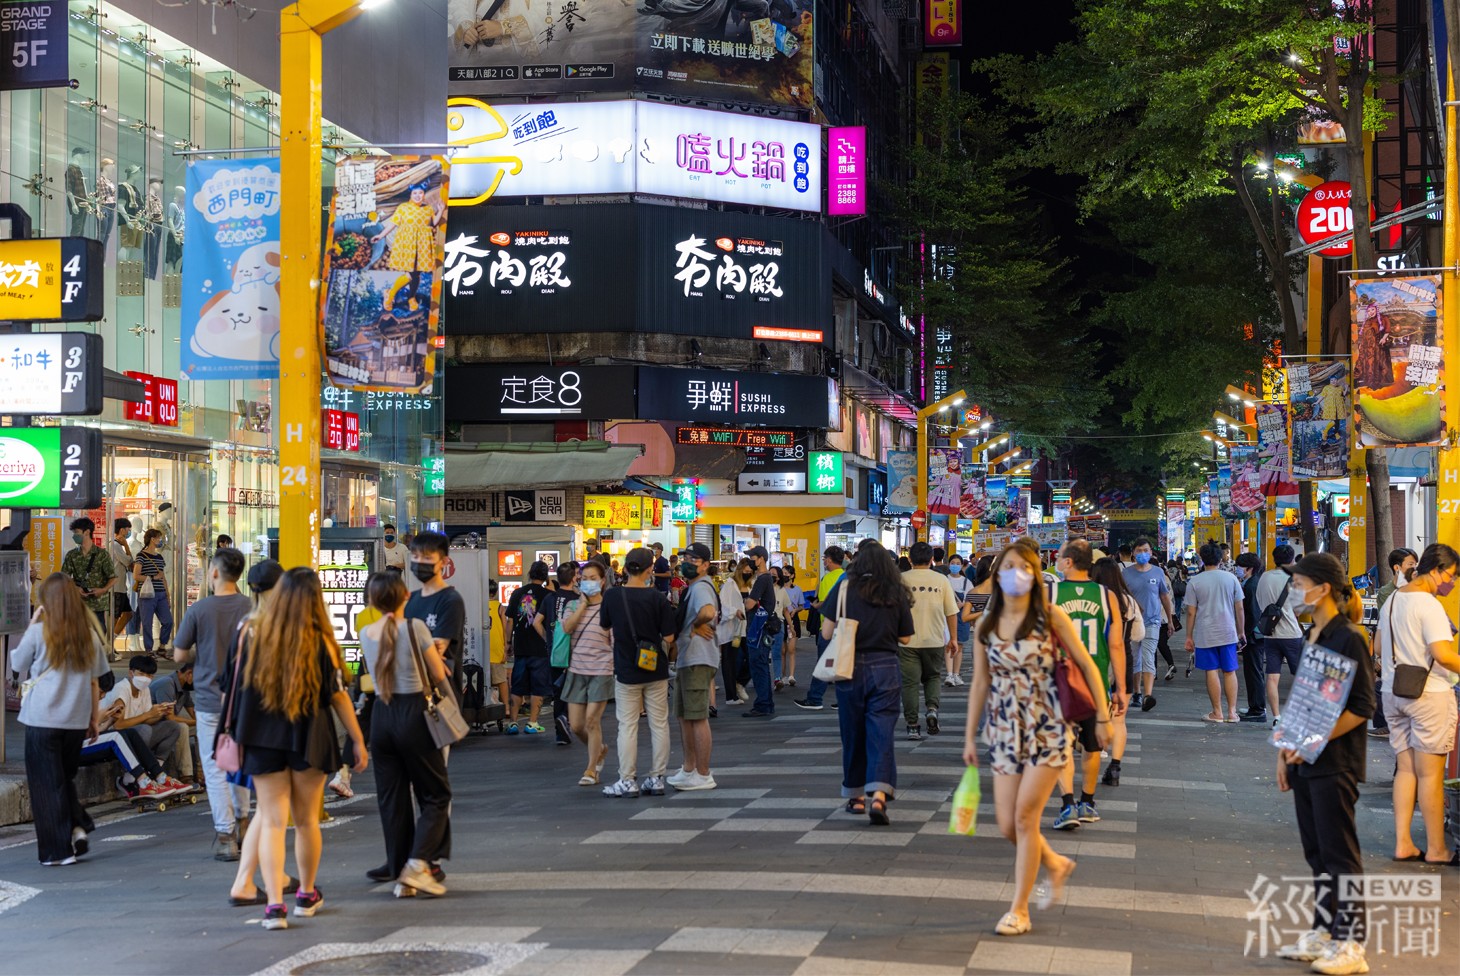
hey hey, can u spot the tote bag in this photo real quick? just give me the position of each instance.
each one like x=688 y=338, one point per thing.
x=840 y=657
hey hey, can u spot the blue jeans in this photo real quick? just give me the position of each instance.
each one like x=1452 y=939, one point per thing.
x=816 y=694
x=868 y=707
x=778 y=653
x=159 y=607
x=760 y=671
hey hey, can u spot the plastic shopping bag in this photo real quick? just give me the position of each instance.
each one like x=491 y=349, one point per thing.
x=963 y=820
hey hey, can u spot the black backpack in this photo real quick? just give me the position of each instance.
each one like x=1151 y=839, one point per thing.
x=1272 y=614
x=474 y=690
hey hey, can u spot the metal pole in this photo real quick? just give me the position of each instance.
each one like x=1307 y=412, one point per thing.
x=1447 y=488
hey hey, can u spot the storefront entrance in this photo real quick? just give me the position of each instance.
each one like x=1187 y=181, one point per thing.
x=166 y=490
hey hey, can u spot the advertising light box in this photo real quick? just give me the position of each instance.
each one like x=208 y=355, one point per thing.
x=50 y=279
x=50 y=373
x=50 y=467
x=631 y=268
x=572 y=148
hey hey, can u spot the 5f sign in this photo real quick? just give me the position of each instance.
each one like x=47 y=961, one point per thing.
x=33 y=49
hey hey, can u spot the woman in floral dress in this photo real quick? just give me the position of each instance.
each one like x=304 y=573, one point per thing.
x=1015 y=649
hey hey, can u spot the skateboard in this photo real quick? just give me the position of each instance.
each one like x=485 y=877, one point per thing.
x=160 y=804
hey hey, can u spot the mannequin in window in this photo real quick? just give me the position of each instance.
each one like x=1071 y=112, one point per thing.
x=152 y=242
x=176 y=218
x=129 y=207
x=78 y=198
x=106 y=200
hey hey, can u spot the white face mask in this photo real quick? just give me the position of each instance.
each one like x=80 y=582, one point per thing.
x=141 y=681
x=1016 y=580
x=590 y=587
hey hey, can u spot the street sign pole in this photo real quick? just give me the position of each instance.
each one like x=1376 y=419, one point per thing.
x=1447 y=489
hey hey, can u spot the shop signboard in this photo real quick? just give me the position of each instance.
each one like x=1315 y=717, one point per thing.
x=380 y=292
x=846 y=186
x=726 y=396
x=613 y=512
x=50 y=467
x=685 y=507
x=631 y=268
x=942 y=23
x=50 y=374
x=231 y=306
x=690 y=49
x=433 y=476
x=339 y=431
x=733 y=436
x=523 y=392
x=771 y=481
x=1399 y=361
x=824 y=473
x=43 y=543
x=158 y=405
x=33 y=45
x=876 y=490
x=540 y=505
x=51 y=279
x=789 y=457
x=509 y=563
x=343 y=572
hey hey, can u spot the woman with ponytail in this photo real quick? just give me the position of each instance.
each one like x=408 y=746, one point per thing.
x=1325 y=790
x=407 y=759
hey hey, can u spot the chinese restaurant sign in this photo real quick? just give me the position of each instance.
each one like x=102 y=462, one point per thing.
x=846 y=185
x=51 y=279
x=51 y=373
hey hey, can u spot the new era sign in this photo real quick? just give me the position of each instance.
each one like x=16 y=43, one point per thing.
x=535 y=506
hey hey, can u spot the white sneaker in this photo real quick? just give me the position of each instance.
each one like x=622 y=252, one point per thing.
x=948 y=682
x=696 y=782
x=1342 y=959
x=680 y=778
x=417 y=874
x=1310 y=946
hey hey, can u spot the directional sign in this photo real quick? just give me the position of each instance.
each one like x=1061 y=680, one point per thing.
x=50 y=467
x=773 y=481
x=33 y=45
x=51 y=373
x=51 y=279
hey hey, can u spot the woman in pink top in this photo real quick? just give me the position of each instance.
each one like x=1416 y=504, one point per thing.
x=588 y=687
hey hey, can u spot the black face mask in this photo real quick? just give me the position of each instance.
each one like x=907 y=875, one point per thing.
x=425 y=572
x=689 y=570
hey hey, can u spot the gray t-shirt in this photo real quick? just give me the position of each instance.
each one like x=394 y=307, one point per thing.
x=694 y=649
x=1214 y=592
x=407 y=676
x=59 y=699
x=209 y=627
x=1147 y=588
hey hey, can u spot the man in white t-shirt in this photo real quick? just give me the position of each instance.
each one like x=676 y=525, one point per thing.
x=1285 y=643
x=1215 y=630
x=153 y=722
x=935 y=626
x=396 y=555
x=1415 y=630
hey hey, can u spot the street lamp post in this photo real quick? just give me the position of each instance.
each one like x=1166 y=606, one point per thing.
x=949 y=401
x=302 y=25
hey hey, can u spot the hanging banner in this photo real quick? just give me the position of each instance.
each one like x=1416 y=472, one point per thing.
x=231 y=309
x=1244 y=493
x=944 y=481
x=846 y=179
x=1274 y=383
x=1399 y=362
x=1175 y=525
x=902 y=483
x=972 y=501
x=1273 y=455
x=1321 y=412
x=381 y=299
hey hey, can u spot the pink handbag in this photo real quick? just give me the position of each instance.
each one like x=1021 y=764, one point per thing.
x=227 y=752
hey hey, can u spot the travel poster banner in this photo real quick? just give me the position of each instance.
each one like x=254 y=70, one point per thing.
x=1244 y=494
x=972 y=501
x=1399 y=362
x=1274 y=457
x=945 y=481
x=1321 y=405
x=902 y=483
x=380 y=302
x=231 y=306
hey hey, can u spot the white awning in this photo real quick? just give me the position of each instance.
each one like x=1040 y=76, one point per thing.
x=499 y=467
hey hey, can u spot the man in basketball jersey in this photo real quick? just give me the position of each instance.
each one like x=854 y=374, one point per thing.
x=1097 y=618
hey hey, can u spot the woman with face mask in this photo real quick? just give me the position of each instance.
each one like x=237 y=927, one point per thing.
x=1326 y=789
x=734 y=664
x=1418 y=657
x=962 y=586
x=1015 y=649
x=588 y=687
x=149 y=571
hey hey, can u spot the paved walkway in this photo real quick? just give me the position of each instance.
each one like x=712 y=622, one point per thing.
x=764 y=875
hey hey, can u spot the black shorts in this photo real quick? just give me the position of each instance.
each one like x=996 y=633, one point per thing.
x=532 y=677
x=1088 y=742
x=121 y=604
x=260 y=761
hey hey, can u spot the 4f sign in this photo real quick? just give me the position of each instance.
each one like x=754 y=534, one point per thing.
x=50 y=279
x=33 y=49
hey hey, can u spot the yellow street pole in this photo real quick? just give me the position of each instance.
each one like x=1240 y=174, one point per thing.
x=1447 y=490
x=301 y=27
x=1358 y=470
x=951 y=400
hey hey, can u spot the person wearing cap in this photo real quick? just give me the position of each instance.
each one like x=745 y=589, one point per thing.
x=762 y=631
x=642 y=624
x=695 y=668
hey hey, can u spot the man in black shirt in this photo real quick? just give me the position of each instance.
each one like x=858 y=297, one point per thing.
x=526 y=642
x=437 y=605
x=662 y=572
x=642 y=624
x=762 y=630
x=1254 y=655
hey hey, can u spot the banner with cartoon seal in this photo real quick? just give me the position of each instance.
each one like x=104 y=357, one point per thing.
x=381 y=296
x=231 y=310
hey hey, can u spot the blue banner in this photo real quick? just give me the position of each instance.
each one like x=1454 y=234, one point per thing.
x=231 y=309
x=902 y=483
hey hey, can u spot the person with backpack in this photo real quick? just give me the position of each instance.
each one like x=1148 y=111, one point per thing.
x=550 y=617
x=1277 y=624
x=532 y=678
x=695 y=670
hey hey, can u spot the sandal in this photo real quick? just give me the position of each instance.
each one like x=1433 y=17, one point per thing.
x=1012 y=924
x=340 y=789
x=857 y=805
x=877 y=812
x=589 y=778
x=1213 y=717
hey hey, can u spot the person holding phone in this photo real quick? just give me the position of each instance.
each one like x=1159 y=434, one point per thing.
x=152 y=720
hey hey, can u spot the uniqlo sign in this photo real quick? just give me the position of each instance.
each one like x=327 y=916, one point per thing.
x=159 y=401
x=339 y=431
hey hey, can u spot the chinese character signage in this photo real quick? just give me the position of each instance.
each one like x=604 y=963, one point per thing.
x=231 y=309
x=1273 y=451
x=749 y=437
x=564 y=148
x=50 y=373
x=685 y=507
x=51 y=279
x=343 y=572
x=503 y=393
x=33 y=46
x=1320 y=399
x=381 y=289
x=692 y=48
x=620 y=511
x=942 y=23
x=631 y=268
x=724 y=396
x=1317 y=699
x=1398 y=362
x=433 y=475
x=876 y=490
x=50 y=467
x=846 y=173
x=824 y=473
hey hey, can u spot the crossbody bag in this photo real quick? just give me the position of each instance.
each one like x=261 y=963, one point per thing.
x=1408 y=680
x=649 y=651
x=443 y=715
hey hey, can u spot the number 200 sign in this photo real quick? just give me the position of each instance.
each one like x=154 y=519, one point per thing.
x=1327 y=211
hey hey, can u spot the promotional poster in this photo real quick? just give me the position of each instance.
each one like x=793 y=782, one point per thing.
x=972 y=502
x=944 y=481
x=1322 y=408
x=1399 y=361
x=231 y=308
x=381 y=291
x=1273 y=456
x=902 y=483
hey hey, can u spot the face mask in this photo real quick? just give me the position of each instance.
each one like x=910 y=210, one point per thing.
x=955 y=567
x=1142 y=558
x=1016 y=581
x=390 y=539
x=590 y=587
x=76 y=537
x=1444 y=588
x=141 y=681
x=425 y=572
x=1308 y=605
x=689 y=570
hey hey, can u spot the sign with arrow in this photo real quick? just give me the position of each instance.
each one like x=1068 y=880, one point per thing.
x=772 y=481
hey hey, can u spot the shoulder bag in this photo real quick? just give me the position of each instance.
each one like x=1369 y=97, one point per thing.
x=227 y=751
x=839 y=659
x=1076 y=701
x=1408 y=680
x=562 y=642
x=1272 y=614
x=443 y=715
x=649 y=651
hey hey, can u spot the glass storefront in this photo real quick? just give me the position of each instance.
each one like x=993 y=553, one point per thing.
x=108 y=160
